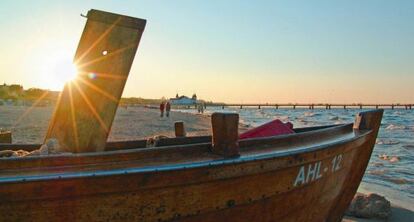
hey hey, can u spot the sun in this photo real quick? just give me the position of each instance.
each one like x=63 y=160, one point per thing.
x=66 y=71
x=53 y=70
x=60 y=70
x=49 y=66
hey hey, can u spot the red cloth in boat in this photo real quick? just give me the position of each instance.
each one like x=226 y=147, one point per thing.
x=272 y=128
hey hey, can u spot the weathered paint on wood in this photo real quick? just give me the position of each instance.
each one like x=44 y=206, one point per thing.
x=87 y=105
x=308 y=176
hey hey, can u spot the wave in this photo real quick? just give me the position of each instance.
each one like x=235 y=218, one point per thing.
x=410 y=146
x=398 y=181
x=395 y=127
x=339 y=122
x=377 y=164
x=283 y=118
x=387 y=142
x=334 y=118
x=310 y=114
x=245 y=124
x=391 y=159
x=378 y=172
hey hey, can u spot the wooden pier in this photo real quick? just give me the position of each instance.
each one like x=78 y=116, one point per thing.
x=314 y=105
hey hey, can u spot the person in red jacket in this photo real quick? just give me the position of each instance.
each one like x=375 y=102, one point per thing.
x=162 y=105
x=167 y=109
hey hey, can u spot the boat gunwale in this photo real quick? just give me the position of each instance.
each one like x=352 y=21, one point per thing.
x=165 y=141
x=242 y=143
x=358 y=134
x=201 y=147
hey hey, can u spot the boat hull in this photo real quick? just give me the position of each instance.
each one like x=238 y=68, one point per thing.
x=307 y=183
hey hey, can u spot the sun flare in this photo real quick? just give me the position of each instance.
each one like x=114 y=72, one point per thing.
x=68 y=72
x=51 y=68
x=61 y=71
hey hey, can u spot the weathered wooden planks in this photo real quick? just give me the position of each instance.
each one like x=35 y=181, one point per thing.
x=225 y=134
x=179 y=129
x=87 y=105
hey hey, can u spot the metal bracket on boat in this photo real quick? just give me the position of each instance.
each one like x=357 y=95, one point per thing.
x=225 y=134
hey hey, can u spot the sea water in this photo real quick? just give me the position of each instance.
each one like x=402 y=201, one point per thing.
x=392 y=162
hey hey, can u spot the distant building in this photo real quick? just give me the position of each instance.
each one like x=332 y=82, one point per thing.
x=184 y=100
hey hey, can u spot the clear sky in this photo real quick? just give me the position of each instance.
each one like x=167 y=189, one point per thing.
x=230 y=51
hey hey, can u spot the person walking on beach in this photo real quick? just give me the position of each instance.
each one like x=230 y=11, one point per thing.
x=167 y=109
x=200 y=108
x=162 y=105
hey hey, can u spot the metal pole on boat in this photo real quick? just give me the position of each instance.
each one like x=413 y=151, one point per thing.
x=225 y=134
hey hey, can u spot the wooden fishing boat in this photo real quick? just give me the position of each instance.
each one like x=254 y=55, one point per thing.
x=311 y=175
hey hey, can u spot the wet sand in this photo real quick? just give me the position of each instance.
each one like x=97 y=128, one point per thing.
x=402 y=208
x=399 y=214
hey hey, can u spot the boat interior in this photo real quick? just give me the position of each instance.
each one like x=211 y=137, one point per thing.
x=171 y=154
x=200 y=146
x=191 y=140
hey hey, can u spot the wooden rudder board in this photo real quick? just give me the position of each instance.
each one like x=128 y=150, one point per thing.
x=87 y=105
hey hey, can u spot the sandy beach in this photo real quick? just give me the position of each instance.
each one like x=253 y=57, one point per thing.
x=129 y=124
x=29 y=126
